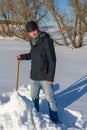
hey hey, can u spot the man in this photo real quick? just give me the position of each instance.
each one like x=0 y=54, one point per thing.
x=43 y=63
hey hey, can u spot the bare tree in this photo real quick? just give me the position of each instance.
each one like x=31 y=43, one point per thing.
x=5 y=24
x=19 y=12
x=51 y=7
x=71 y=30
x=80 y=7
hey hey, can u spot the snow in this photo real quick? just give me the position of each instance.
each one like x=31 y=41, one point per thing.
x=70 y=87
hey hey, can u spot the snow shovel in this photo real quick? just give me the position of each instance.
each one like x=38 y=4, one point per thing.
x=17 y=74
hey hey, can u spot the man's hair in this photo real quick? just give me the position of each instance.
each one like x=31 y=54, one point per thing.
x=31 y=26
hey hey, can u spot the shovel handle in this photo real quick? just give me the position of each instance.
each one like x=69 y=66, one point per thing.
x=17 y=74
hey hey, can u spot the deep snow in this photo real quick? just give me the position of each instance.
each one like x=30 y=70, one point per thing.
x=70 y=87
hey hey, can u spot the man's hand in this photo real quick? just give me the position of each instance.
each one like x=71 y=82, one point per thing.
x=49 y=82
x=18 y=57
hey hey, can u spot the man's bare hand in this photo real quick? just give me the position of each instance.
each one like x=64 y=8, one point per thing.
x=18 y=57
x=49 y=82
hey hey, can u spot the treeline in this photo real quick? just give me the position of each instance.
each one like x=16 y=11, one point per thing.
x=71 y=23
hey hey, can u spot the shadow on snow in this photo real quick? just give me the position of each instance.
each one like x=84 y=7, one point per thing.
x=66 y=98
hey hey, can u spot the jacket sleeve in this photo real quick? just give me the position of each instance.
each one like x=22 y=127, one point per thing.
x=26 y=56
x=50 y=52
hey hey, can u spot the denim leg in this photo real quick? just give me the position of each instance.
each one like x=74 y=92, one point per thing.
x=49 y=94
x=35 y=90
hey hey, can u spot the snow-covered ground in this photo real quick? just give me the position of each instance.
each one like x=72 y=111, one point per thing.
x=70 y=87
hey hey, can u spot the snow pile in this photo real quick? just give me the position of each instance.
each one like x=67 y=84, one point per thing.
x=13 y=113
x=18 y=112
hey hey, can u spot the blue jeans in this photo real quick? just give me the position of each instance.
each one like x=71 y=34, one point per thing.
x=49 y=94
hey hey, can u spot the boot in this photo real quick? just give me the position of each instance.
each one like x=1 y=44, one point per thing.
x=36 y=103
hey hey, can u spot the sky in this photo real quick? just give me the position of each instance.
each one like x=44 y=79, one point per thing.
x=62 y=5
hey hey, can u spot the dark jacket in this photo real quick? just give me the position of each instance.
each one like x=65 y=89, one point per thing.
x=42 y=56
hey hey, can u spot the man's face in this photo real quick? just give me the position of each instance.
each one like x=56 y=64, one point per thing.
x=33 y=34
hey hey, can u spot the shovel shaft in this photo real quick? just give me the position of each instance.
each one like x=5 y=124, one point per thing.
x=17 y=74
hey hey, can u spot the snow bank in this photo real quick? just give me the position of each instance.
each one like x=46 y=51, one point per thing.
x=18 y=112
x=12 y=114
